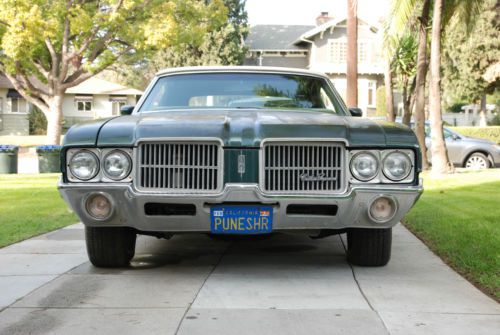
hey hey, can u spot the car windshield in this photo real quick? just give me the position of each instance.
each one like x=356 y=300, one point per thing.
x=241 y=90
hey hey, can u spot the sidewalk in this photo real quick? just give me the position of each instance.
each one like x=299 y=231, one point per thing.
x=191 y=284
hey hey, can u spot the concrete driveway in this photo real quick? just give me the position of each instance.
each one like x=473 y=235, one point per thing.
x=284 y=284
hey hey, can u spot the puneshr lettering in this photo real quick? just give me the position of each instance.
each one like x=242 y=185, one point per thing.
x=241 y=224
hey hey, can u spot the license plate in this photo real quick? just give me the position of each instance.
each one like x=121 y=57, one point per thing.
x=229 y=219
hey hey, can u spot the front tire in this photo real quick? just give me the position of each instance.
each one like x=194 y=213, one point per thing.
x=110 y=247
x=477 y=161
x=369 y=247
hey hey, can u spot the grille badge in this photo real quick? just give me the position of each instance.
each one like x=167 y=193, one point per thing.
x=241 y=164
x=318 y=177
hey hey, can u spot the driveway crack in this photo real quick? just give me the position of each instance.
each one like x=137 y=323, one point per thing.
x=361 y=290
x=201 y=286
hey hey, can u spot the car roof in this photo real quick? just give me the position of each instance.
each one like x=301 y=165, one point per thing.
x=243 y=69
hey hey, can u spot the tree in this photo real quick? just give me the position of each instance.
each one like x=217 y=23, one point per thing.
x=221 y=46
x=420 y=77
x=402 y=13
x=440 y=160
x=467 y=57
x=456 y=10
x=389 y=43
x=445 y=12
x=352 y=54
x=389 y=97
x=47 y=47
x=404 y=66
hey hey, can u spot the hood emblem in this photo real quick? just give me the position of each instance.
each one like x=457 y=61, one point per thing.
x=241 y=164
x=316 y=177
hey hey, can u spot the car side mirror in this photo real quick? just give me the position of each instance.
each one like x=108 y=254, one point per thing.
x=455 y=137
x=126 y=110
x=357 y=112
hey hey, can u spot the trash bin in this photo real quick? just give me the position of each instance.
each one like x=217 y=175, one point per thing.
x=49 y=158
x=8 y=158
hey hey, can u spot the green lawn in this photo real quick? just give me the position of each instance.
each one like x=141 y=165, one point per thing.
x=458 y=216
x=30 y=205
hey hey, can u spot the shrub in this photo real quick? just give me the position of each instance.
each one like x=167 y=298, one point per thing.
x=381 y=108
x=495 y=121
x=456 y=107
x=38 y=122
x=487 y=133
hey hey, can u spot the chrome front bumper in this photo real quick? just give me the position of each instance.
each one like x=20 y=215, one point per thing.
x=129 y=204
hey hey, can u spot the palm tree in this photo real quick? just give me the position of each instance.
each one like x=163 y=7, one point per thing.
x=404 y=65
x=352 y=54
x=389 y=97
x=443 y=12
x=401 y=12
x=420 y=81
x=440 y=161
x=463 y=10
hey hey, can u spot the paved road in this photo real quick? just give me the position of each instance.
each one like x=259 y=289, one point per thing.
x=285 y=284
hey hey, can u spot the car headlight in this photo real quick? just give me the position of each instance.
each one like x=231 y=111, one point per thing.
x=84 y=165
x=397 y=166
x=364 y=166
x=117 y=165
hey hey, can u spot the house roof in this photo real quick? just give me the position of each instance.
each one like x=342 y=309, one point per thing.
x=101 y=86
x=331 y=24
x=275 y=37
x=90 y=86
x=5 y=83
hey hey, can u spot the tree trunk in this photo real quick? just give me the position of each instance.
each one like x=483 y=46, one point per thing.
x=54 y=119
x=352 y=54
x=482 y=112
x=420 y=83
x=389 y=99
x=440 y=161
x=406 y=106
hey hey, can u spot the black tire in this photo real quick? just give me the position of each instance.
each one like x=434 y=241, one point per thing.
x=475 y=160
x=369 y=247
x=110 y=247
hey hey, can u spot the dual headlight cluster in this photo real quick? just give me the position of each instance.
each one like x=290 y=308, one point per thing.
x=86 y=164
x=389 y=165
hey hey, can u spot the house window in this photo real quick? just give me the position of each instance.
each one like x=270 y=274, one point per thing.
x=14 y=105
x=338 y=51
x=362 y=52
x=117 y=106
x=84 y=106
x=371 y=93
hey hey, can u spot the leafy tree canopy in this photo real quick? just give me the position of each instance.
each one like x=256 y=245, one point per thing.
x=47 y=47
x=468 y=55
x=222 y=45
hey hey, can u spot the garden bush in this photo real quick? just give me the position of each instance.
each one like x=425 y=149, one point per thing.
x=37 y=122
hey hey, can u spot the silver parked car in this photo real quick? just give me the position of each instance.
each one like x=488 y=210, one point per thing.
x=468 y=152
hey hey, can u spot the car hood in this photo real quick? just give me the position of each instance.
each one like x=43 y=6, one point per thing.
x=242 y=128
x=477 y=140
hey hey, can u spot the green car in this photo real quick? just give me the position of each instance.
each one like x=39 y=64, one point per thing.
x=239 y=150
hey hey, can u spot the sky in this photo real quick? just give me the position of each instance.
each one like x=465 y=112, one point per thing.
x=304 y=12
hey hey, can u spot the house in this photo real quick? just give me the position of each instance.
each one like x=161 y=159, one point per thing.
x=92 y=99
x=322 y=48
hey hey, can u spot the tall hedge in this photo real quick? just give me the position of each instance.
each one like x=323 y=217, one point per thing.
x=491 y=133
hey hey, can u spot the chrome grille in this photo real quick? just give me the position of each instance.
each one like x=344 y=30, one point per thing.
x=179 y=167
x=303 y=168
